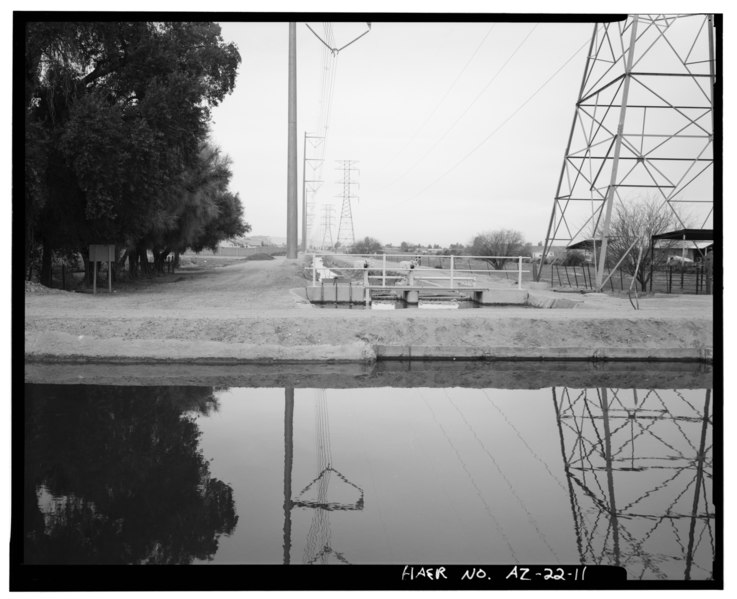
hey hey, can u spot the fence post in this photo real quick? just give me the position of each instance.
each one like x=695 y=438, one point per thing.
x=383 y=270
x=314 y=271
x=519 y=272
x=451 y=270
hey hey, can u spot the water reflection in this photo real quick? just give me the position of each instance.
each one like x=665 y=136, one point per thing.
x=639 y=470
x=372 y=475
x=115 y=475
x=318 y=495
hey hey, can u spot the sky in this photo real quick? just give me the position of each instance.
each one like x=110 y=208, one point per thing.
x=387 y=85
x=457 y=128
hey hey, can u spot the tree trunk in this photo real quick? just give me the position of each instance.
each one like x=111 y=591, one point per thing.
x=45 y=277
x=160 y=261
x=87 y=269
x=143 y=261
x=133 y=263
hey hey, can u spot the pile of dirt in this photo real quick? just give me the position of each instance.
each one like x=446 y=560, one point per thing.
x=260 y=257
x=37 y=288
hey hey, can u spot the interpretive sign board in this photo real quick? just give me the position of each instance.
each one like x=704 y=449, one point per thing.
x=102 y=253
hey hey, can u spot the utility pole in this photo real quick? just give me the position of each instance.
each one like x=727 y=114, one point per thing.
x=310 y=183
x=303 y=245
x=292 y=209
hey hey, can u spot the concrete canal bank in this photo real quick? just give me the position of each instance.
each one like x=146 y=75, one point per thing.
x=249 y=313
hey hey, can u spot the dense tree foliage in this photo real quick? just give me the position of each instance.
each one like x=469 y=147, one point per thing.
x=115 y=135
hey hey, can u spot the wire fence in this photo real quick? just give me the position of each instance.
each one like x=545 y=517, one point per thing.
x=692 y=279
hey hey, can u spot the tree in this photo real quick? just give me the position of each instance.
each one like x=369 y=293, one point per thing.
x=115 y=113
x=630 y=230
x=367 y=245
x=207 y=212
x=457 y=249
x=574 y=258
x=503 y=242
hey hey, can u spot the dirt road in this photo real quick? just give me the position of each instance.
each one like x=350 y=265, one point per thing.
x=247 y=312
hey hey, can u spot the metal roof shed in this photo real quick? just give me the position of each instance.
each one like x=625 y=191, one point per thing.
x=699 y=239
x=687 y=234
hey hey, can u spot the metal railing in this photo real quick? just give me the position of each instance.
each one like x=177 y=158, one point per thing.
x=411 y=269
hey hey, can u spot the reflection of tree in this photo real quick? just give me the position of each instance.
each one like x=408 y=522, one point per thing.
x=119 y=476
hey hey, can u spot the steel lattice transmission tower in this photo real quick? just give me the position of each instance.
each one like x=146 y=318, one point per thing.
x=327 y=227
x=346 y=235
x=643 y=128
x=313 y=157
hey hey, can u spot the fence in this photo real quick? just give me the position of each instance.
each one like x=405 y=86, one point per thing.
x=458 y=271
x=669 y=279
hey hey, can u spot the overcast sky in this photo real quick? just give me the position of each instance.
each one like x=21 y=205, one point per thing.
x=457 y=128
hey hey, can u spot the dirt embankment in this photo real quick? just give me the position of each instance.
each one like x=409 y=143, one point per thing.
x=246 y=312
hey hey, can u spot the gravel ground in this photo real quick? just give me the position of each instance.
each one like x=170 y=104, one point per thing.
x=249 y=312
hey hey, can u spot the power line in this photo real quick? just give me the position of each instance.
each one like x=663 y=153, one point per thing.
x=450 y=88
x=328 y=42
x=460 y=117
x=487 y=508
x=530 y=518
x=504 y=122
x=522 y=439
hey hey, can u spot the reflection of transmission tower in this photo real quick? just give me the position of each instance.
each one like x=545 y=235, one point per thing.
x=314 y=149
x=643 y=127
x=639 y=475
x=344 y=495
x=327 y=227
x=346 y=236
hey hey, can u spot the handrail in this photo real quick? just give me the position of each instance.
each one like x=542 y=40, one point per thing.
x=412 y=269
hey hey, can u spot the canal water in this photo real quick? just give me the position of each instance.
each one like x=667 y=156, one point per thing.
x=372 y=475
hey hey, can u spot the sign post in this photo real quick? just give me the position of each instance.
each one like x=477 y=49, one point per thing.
x=102 y=253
